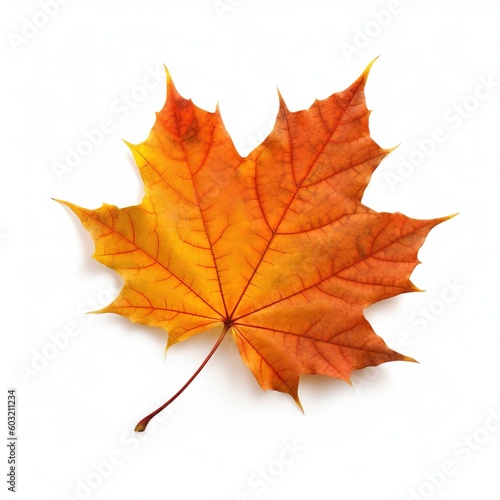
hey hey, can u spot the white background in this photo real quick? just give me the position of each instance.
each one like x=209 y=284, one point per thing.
x=385 y=437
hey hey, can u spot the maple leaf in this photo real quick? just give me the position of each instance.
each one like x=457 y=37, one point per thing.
x=275 y=248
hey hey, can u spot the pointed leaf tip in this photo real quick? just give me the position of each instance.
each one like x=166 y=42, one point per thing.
x=298 y=403
x=167 y=73
x=409 y=359
x=367 y=70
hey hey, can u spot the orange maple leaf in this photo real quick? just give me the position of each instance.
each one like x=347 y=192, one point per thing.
x=276 y=247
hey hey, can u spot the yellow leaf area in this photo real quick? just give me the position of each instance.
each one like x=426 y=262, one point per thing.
x=275 y=247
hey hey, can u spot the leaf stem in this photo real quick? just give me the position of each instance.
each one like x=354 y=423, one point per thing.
x=141 y=426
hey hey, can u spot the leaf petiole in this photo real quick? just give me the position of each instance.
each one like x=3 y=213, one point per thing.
x=141 y=426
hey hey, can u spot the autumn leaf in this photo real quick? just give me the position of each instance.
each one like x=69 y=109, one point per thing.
x=275 y=248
